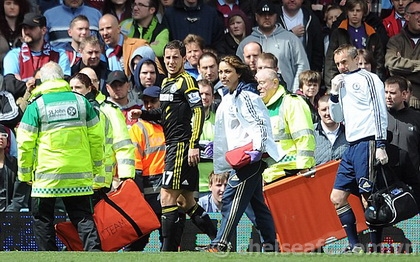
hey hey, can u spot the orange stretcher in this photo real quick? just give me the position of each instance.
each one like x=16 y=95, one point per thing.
x=304 y=217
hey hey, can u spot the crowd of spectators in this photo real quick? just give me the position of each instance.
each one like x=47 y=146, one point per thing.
x=281 y=52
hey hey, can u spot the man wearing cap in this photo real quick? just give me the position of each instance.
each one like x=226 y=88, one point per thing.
x=149 y=140
x=118 y=87
x=34 y=52
x=273 y=38
x=59 y=18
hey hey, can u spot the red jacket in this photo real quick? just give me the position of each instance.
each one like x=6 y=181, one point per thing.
x=391 y=24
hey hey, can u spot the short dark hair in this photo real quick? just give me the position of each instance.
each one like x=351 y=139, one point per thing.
x=208 y=54
x=402 y=82
x=177 y=44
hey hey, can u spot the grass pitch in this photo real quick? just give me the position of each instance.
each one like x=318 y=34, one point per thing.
x=27 y=256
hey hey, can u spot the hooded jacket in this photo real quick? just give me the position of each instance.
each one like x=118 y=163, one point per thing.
x=286 y=47
x=312 y=39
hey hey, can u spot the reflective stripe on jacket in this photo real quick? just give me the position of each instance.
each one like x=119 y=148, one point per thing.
x=119 y=150
x=150 y=147
x=60 y=143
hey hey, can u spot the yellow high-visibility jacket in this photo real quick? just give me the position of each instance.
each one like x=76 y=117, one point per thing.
x=293 y=130
x=119 y=150
x=60 y=143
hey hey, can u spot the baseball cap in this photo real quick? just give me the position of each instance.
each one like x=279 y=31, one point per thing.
x=151 y=91
x=116 y=76
x=266 y=6
x=34 y=20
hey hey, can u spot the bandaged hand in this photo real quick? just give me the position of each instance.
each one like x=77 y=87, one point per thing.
x=255 y=155
x=336 y=83
x=381 y=156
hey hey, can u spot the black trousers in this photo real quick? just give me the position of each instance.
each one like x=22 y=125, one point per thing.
x=79 y=210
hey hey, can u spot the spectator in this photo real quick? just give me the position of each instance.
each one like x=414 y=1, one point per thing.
x=118 y=48
x=268 y=60
x=79 y=30
x=194 y=45
x=145 y=25
x=396 y=21
x=238 y=28
x=309 y=88
x=207 y=136
x=358 y=98
x=193 y=17
x=226 y=7
x=121 y=9
x=331 y=15
x=145 y=75
x=212 y=203
x=149 y=158
x=249 y=125
x=179 y=94
x=403 y=121
x=304 y=24
x=290 y=119
x=59 y=18
x=251 y=52
x=8 y=169
x=90 y=50
x=273 y=38
x=118 y=88
x=402 y=55
x=355 y=32
x=330 y=138
x=11 y=17
x=162 y=6
x=34 y=52
x=54 y=167
x=208 y=67
x=366 y=60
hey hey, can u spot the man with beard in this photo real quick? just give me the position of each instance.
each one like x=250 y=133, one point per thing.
x=118 y=87
x=34 y=52
x=273 y=38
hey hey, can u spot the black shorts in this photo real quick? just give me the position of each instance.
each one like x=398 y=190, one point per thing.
x=178 y=174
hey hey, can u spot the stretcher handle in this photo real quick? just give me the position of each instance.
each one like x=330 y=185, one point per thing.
x=310 y=173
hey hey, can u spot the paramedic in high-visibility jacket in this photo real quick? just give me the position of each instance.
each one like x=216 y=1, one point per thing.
x=60 y=149
x=292 y=126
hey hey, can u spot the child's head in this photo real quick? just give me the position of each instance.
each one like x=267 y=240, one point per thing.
x=309 y=82
x=217 y=185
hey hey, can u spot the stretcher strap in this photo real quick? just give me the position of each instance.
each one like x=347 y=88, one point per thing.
x=124 y=214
